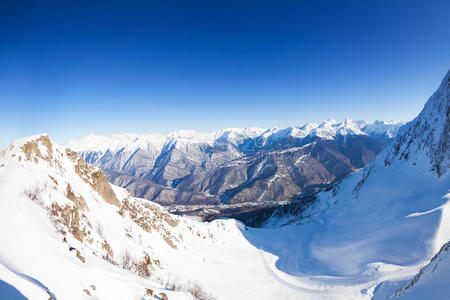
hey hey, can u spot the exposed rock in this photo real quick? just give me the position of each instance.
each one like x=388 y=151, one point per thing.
x=144 y=266
x=53 y=179
x=69 y=217
x=163 y=296
x=94 y=177
x=31 y=149
x=102 y=186
x=149 y=292
x=78 y=201
x=80 y=257
x=107 y=248
x=148 y=217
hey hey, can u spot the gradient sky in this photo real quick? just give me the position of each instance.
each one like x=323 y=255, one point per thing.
x=70 y=68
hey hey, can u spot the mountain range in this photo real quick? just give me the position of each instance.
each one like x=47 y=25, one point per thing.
x=238 y=165
x=380 y=233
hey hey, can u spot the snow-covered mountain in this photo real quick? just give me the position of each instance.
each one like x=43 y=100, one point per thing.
x=235 y=165
x=432 y=280
x=66 y=233
x=389 y=218
x=381 y=129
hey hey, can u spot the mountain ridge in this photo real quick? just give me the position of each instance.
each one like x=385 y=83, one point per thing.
x=392 y=215
x=66 y=233
x=190 y=168
x=104 y=143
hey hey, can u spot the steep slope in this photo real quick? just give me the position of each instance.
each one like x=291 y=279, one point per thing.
x=428 y=134
x=66 y=233
x=381 y=223
x=234 y=165
x=432 y=280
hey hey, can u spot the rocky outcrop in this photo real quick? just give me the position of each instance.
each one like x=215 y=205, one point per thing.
x=71 y=216
x=94 y=177
x=32 y=150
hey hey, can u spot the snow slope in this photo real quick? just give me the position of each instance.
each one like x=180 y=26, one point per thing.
x=60 y=234
x=432 y=281
x=65 y=232
x=382 y=223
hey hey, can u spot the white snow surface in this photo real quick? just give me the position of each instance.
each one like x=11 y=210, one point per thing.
x=35 y=241
x=365 y=239
x=432 y=282
x=33 y=256
x=383 y=223
x=387 y=128
x=155 y=142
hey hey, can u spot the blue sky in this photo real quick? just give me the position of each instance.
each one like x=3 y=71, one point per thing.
x=70 y=68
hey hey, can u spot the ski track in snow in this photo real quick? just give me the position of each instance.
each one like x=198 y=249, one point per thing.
x=287 y=284
x=356 y=244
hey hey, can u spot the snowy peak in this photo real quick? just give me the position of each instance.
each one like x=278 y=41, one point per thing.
x=117 y=142
x=60 y=216
x=42 y=153
x=428 y=133
x=84 y=220
x=190 y=166
x=154 y=143
x=330 y=129
x=388 y=129
x=327 y=130
x=35 y=149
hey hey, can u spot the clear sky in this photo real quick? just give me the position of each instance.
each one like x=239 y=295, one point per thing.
x=70 y=68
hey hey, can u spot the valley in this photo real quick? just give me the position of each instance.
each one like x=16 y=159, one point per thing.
x=236 y=170
x=381 y=232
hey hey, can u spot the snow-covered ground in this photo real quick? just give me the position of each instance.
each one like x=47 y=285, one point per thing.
x=66 y=233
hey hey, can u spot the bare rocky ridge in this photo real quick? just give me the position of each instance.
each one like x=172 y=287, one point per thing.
x=73 y=216
x=87 y=218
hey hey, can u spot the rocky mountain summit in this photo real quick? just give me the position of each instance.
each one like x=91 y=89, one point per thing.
x=67 y=233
